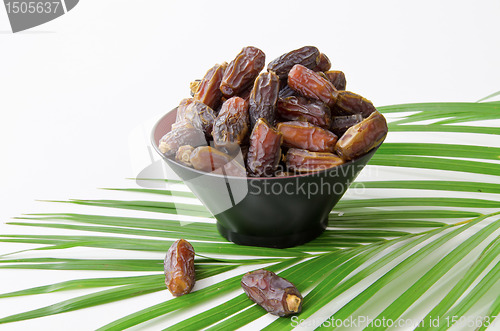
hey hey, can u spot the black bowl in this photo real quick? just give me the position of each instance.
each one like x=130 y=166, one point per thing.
x=269 y=212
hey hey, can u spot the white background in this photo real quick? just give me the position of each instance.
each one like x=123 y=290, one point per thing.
x=75 y=91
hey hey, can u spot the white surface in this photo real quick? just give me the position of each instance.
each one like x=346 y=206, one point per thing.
x=73 y=91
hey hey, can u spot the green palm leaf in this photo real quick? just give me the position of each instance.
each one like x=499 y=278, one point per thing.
x=413 y=231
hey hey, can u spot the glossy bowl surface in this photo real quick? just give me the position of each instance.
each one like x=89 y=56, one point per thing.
x=269 y=212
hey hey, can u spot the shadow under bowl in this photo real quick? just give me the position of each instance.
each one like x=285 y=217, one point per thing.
x=275 y=212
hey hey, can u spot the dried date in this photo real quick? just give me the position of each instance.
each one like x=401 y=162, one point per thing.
x=301 y=160
x=265 y=150
x=208 y=90
x=301 y=109
x=304 y=135
x=340 y=124
x=324 y=63
x=263 y=98
x=231 y=125
x=179 y=268
x=275 y=294
x=337 y=78
x=308 y=56
x=209 y=159
x=349 y=103
x=183 y=155
x=186 y=134
x=362 y=137
x=286 y=91
x=198 y=114
x=310 y=84
x=241 y=71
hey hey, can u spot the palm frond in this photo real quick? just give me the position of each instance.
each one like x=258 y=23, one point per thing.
x=412 y=230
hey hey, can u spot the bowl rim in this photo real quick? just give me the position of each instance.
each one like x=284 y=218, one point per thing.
x=314 y=173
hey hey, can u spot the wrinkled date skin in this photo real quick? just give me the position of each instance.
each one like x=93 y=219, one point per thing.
x=183 y=155
x=275 y=294
x=264 y=97
x=208 y=90
x=337 y=78
x=349 y=103
x=324 y=63
x=265 y=150
x=302 y=160
x=286 y=91
x=231 y=125
x=179 y=268
x=304 y=135
x=362 y=137
x=308 y=56
x=198 y=114
x=310 y=84
x=186 y=134
x=242 y=71
x=301 y=109
x=340 y=124
x=209 y=159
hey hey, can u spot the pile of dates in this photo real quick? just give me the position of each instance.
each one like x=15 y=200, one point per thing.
x=295 y=118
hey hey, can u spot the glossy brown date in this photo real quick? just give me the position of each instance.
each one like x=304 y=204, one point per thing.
x=198 y=114
x=337 y=78
x=265 y=150
x=209 y=159
x=308 y=56
x=263 y=98
x=208 y=90
x=340 y=124
x=304 y=135
x=301 y=160
x=349 y=103
x=179 y=268
x=286 y=91
x=301 y=109
x=231 y=125
x=310 y=84
x=275 y=294
x=242 y=71
x=362 y=137
x=186 y=134
x=324 y=63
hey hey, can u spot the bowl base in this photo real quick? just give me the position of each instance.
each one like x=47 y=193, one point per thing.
x=274 y=242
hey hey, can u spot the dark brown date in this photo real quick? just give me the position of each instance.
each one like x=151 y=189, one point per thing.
x=208 y=90
x=362 y=137
x=186 y=134
x=349 y=103
x=209 y=159
x=275 y=294
x=179 y=268
x=198 y=114
x=183 y=155
x=301 y=160
x=241 y=71
x=310 y=84
x=301 y=109
x=308 y=56
x=263 y=98
x=286 y=91
x=340 y=124
x=324 y=63
x=307 y=136
x=231 y=125
x=265 y=150
x=337 y=78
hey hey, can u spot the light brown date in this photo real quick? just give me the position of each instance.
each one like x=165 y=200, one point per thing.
x=264 y=97
x=231 y=125
x=275 y=294
x=265 y=150
x=241 y=71
x=186 y=134
x=308 y=56
x=362 y=137
x=349 y=103
x=301 y=109
x=209 y=159
x=301 y=160
x=183 y=155
x=337 y=78
x=179 y=268
x=208 y=90
x=198 y=114
x=304 y=135
x=310 y=84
